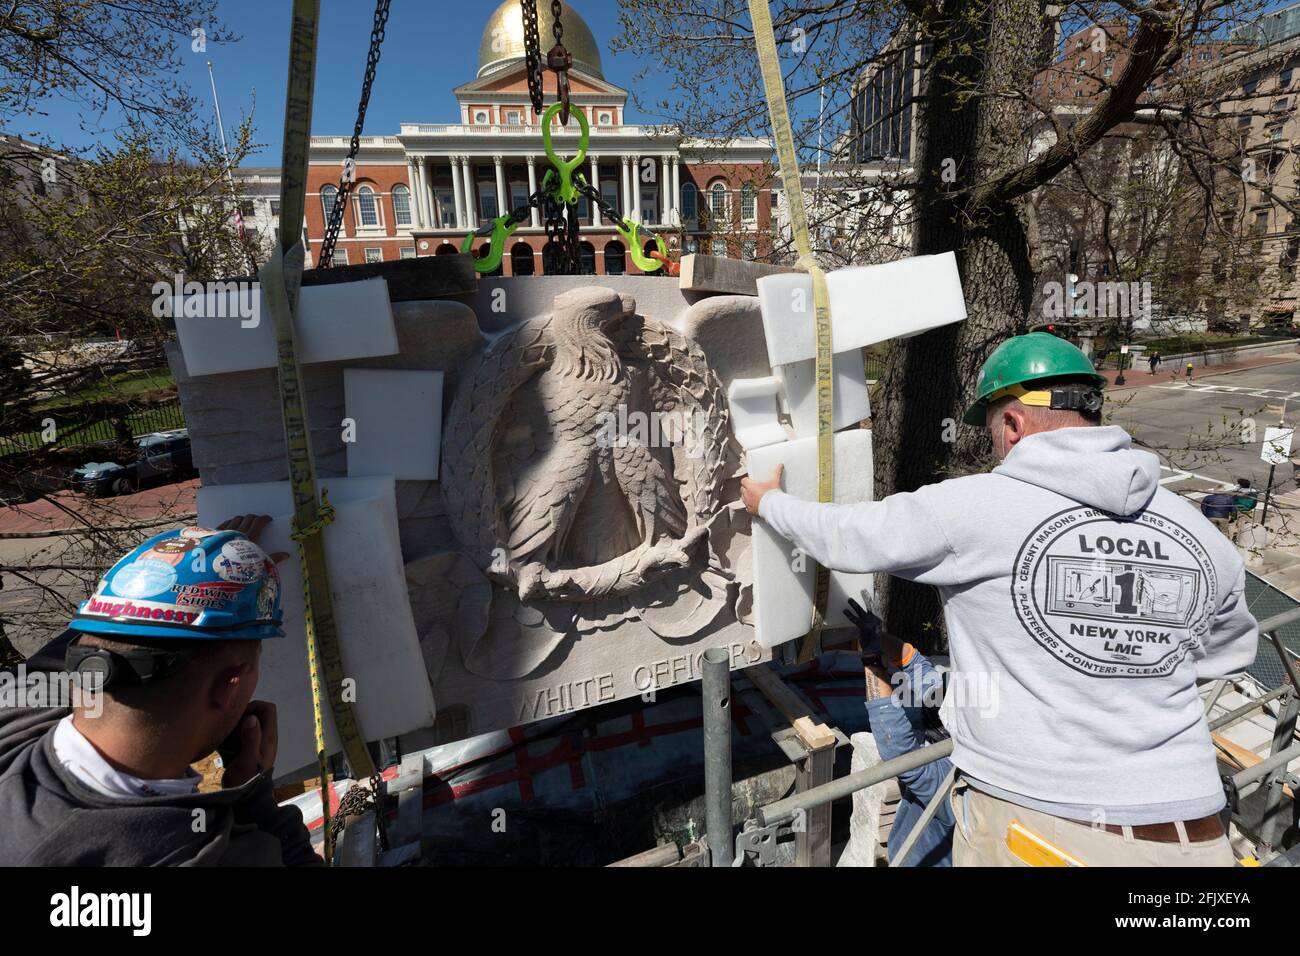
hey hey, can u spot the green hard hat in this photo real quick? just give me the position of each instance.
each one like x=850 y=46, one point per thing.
x=1025 y=358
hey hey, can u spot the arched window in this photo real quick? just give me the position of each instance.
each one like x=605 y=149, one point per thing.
x=368 y=209
x=615 y=259
x=587 y=258
x=401 y=205
x=651 y=246
x=749 y=202
x=690 y=202
x=328 y=196
x=550 y=266
x=718 y=200
x=522 y=262
x=446 y=249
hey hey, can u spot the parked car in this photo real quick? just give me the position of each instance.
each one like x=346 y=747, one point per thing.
x=163 y=455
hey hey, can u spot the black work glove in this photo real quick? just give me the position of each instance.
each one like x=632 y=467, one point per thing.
x=868 y=626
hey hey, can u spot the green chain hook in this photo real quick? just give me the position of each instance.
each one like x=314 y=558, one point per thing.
x=502 y=229
x=629 y=230
x=566 y=192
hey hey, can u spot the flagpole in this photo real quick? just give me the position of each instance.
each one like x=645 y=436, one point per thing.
x=230 y=178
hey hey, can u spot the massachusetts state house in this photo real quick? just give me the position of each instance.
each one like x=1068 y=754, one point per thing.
x=421 y=191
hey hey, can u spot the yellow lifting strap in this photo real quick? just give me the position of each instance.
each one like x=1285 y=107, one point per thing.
x=765 y=39
x=280 y=280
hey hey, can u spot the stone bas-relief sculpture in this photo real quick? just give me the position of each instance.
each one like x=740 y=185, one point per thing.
x=584 y=542
x=584 y=465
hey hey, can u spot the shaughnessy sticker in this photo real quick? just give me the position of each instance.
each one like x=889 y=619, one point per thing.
x=1114 y=597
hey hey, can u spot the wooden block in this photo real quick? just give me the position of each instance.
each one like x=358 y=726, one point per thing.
x=814 y=734
x=409 y=280
x=728 y=276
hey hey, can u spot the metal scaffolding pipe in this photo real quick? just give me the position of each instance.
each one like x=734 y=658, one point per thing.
x=784 y=810
x=1249 y=780
x=715 y=691
x=1232 y=716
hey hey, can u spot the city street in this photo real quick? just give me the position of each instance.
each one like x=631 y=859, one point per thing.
x=1196 y=427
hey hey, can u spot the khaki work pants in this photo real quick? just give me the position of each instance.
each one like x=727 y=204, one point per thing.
x=993 y=832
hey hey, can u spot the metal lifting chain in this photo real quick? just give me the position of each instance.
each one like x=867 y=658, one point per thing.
x=532 y=53
x=348 y=179
x=560 y=60
x=562 y=232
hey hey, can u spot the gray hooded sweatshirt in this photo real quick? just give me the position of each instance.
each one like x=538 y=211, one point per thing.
x=50 y=818
x=1083 y=602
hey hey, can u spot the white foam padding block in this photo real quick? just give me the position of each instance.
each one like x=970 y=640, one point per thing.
x=232 y=331
x=754 y=418
x=783 y=579
x=799 y=386
x=377 y=638
x=398 y=422
x=869 y=304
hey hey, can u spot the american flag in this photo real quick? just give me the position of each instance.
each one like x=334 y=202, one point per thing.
x=239 y=223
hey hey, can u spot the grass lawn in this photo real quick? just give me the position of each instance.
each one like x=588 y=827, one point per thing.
x=113 y=386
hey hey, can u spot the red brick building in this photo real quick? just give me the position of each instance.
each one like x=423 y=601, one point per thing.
x=421 y=191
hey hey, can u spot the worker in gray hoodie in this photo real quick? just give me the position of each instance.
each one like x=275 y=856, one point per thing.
x=166 y=652
x=1083 y=603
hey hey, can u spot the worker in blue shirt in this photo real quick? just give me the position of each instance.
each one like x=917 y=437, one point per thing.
x=899 y=681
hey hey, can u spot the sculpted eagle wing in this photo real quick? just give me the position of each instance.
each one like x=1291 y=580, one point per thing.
x=542 y=475
x=651 y=491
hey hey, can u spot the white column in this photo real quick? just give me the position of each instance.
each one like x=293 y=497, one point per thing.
x=413 y=184
x=595 y=184
x=677 y=187
x=636 y=188
x=426 y=184
x=665 y=190
x=458 y=185
x=532 y=188
x=627 y=187
x=471 y=193
x=503 y=197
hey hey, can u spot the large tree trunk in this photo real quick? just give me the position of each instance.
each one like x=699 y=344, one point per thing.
x=929 y=379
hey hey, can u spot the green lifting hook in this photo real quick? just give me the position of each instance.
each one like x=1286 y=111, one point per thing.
x=566 y=192
x=629 y=230
x=502 y=229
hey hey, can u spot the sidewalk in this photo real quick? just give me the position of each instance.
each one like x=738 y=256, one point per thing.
x=65 y=509
x=1140 y=377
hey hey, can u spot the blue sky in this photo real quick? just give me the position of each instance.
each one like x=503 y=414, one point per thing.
x=431 y=46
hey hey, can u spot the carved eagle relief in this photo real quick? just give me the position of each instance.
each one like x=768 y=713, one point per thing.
x=546 y=486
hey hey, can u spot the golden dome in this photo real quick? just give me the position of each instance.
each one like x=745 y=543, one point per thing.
x=503 y=38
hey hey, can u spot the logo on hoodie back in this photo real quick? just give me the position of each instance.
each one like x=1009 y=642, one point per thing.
x=1111 y=597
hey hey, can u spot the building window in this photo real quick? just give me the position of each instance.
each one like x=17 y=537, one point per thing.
x=587 y=259
x=605 y=118
x=718 y=248
x=518 y=196
x=514 y=118
x=718 y=200
x=690 y=206
x=1284 y=78
x=367 y=207
x=749 y=202
x=447 y=210
x=615 y=259
x=328 y=196
x=480 y=116
x=749 y=250
x=609 y=191
x=406 y=252
x=275 y=207
x=487 y=200
x=401 y=205
x=649 y=204
x=374 y=255
x=522 y=262
x=340 y=257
